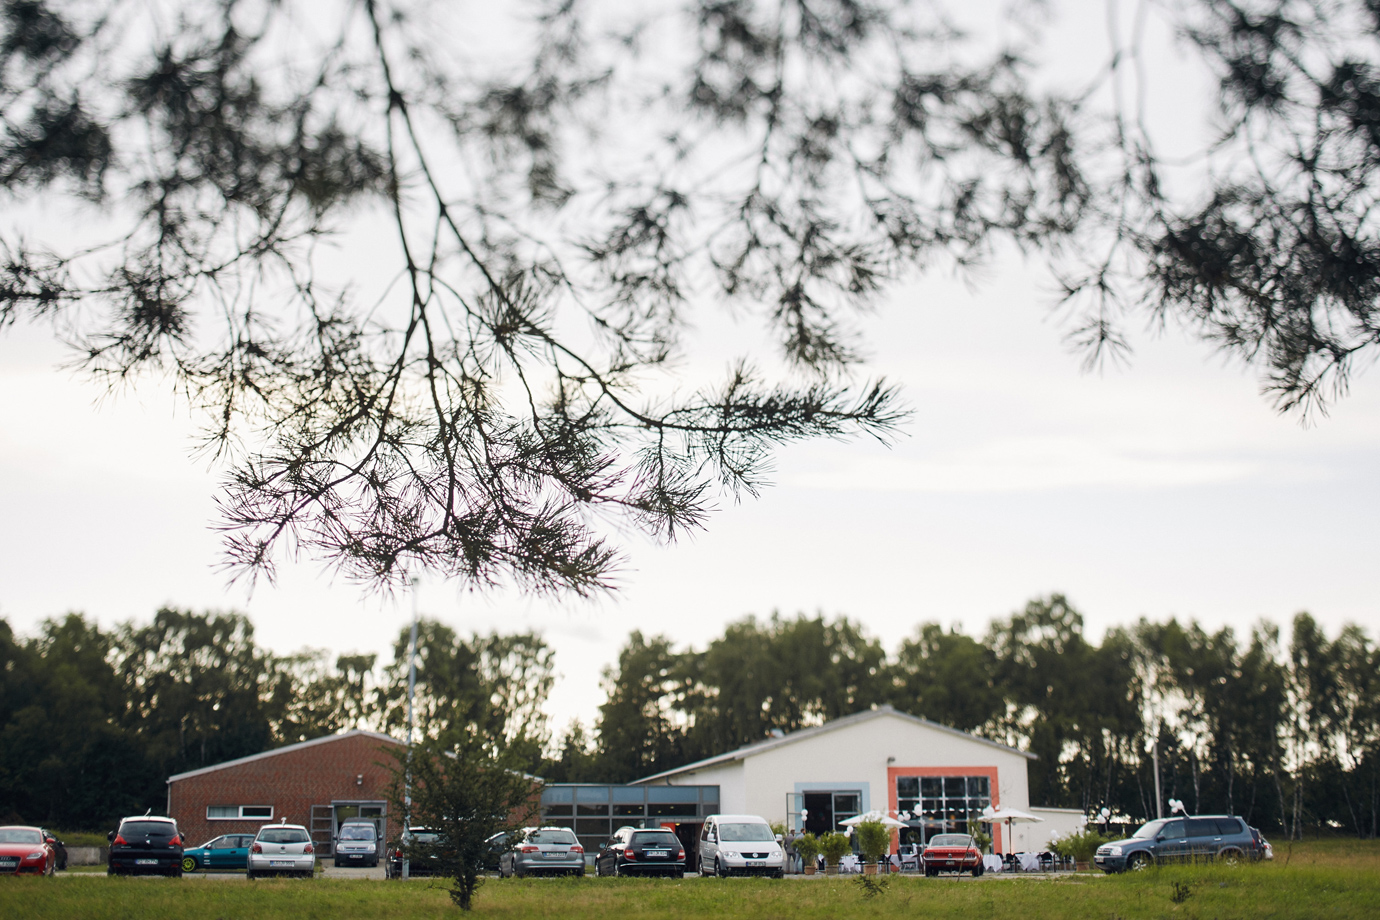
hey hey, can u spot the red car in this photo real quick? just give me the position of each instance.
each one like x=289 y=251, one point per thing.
x=26 y=849
x=952 y=853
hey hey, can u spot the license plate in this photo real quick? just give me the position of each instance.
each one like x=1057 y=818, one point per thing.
x=8 y=863
x=658 y=854
x=280 y=864
x=755 y=863
x=554 y=855
x=146 y=862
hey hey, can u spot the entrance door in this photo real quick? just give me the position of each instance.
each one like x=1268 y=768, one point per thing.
x=824 y=810
x=370 y=811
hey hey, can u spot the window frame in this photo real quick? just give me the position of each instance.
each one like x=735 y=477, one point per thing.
x=239 y=814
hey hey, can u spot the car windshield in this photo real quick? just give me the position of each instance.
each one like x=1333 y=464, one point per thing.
x=422 y=837
x=563 y=837
x=1150 y=829
x=147 y=829
x=19 y=835
x=951 y=840
x=745 y=833
x=282 y=835
x=655 y=839
x=357 y=832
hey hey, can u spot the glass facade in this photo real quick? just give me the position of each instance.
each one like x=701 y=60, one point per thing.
x=594 y=812
x=942 y=804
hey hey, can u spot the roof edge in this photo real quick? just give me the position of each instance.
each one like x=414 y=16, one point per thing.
x=803 y=733
x=297 y=746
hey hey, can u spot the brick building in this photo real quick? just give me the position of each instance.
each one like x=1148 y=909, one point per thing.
x=317 y=783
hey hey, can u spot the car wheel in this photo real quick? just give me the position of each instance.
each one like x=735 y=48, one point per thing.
x=977 y=870
x=1230 y=857
x=1137 y=862
x=779 y=873
x=720 y=869
x=189 y=864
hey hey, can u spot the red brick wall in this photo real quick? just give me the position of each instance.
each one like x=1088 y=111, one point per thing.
x=292 y=782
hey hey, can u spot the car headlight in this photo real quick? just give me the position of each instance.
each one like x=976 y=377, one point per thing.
x=1113 y=851
x=731 y=853
x=36 y=854
x=369 y=849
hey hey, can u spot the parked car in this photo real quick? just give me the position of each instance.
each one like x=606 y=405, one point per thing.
x=357 y=844
x=418 y=846
x=641 y=851
x=542 y=851
x=1180 y=839
x=226 y=853
x=58 y=846
x=26 y=850
x=282 y=849
x=740 y=845
x=952 y=853
x=145 y=844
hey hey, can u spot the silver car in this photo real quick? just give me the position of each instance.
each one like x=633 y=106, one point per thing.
x=542 y=851
x=282 y=849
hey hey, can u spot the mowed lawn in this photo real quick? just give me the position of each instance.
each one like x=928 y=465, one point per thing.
x=1334 y=879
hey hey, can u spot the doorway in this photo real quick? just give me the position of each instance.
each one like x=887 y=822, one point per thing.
x=825 y=809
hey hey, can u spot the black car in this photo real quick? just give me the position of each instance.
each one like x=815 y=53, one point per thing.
x=641 y=851
x=418 y=845
x=145 y=844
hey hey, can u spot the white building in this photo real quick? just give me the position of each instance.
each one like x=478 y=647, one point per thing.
x=880 y=759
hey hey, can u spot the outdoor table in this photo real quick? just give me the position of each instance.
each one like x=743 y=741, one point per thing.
x=991 y=863
x=1030 y=862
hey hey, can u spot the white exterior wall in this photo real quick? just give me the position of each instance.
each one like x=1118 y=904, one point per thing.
x=1035 y=838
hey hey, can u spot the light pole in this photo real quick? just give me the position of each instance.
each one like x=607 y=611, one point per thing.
x=411 y=720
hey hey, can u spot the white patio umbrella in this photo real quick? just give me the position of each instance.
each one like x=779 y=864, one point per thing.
x=1010 y=816
x=880 y=817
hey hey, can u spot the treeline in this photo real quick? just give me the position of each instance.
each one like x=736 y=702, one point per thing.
x=93 y=722
x=1288 y=737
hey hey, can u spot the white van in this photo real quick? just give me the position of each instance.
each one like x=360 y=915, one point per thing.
x=740 y=845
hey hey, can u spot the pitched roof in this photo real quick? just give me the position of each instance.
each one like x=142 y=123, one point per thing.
x=325 y=739
x=856 y=718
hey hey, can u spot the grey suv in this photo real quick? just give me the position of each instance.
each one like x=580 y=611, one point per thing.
x=1179 y=839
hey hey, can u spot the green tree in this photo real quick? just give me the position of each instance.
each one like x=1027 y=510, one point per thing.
x=948 y=677
x=782 y=675
x=193 y=684
x=639 y=731
x=467 y=791
x=491 y=687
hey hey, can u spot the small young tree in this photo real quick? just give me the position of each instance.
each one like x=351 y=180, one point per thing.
x=467 y=793
x=807 y=845
x=874 y=839
x=833 y=845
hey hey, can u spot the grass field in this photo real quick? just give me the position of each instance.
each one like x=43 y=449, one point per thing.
x=1334 y=879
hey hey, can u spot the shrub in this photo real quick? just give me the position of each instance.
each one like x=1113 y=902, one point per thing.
x=807 y=845
x=1080 y=846
x=874 y=839
x=833 y=845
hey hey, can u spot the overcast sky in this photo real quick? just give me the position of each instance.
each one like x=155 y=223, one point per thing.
x=1168 y=487
x=1165 y=488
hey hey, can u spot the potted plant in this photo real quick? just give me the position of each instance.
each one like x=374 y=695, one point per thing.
x=874 y=839
x=807 y=845
x=833 y=845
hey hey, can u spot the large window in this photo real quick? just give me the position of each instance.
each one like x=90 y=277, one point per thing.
x=239 y=812
x=943 y=804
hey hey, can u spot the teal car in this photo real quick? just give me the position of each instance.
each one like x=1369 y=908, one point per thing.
x=227 y=853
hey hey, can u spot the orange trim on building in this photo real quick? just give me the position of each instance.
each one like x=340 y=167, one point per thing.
x=892 y=802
